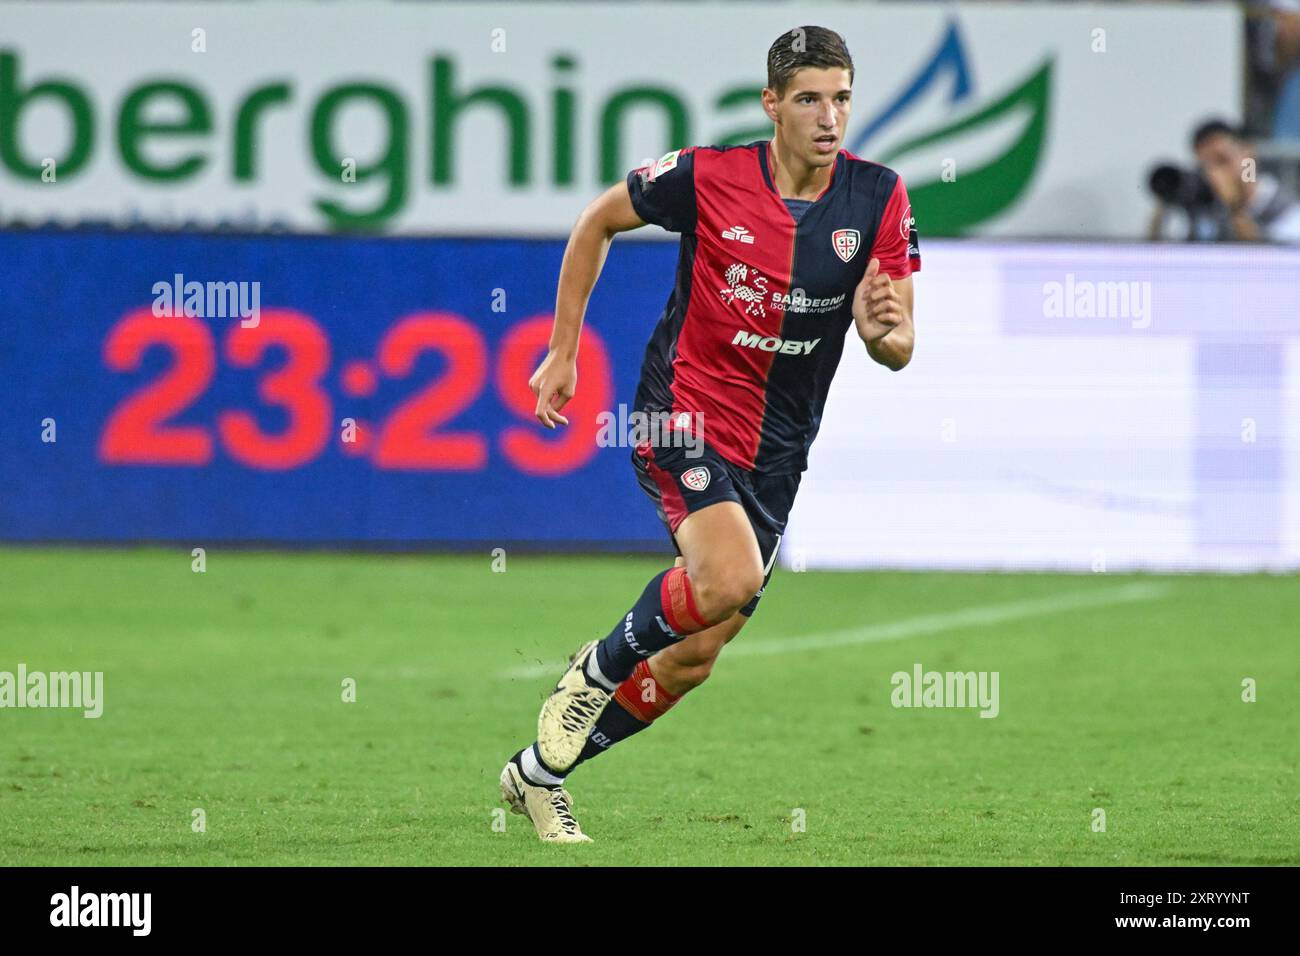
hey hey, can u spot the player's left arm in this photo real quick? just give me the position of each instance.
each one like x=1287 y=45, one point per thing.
x=882 y=302
x=882 y=312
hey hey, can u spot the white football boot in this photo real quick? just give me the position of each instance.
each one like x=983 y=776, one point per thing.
x=569 y=714
x=549 y=809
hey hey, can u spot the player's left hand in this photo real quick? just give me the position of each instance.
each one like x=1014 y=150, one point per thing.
x=877 y=306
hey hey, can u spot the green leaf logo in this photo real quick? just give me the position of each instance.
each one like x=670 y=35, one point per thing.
x=955 y=208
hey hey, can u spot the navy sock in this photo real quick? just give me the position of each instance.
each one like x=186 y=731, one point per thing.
x=663 y=615
x=614 y=724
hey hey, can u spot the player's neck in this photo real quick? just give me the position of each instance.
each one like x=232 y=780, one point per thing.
x=793 y=178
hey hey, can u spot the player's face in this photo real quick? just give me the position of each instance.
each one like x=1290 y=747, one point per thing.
x=814 y=113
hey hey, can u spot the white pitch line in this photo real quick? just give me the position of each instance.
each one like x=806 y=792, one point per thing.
x=916 y=626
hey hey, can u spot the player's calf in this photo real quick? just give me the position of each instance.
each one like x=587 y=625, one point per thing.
x=688 y=664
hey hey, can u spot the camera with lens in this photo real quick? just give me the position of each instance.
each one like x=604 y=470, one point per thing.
x=1181 y=187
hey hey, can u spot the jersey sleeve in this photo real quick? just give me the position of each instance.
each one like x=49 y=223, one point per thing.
x=896 y=244
x=663 y=193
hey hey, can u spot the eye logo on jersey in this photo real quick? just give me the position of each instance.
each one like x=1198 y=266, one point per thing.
x=746 y=284
x=845 y=243
x=740 y=233
x=697 y=478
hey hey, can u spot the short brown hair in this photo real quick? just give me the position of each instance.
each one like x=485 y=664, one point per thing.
x=801 y=48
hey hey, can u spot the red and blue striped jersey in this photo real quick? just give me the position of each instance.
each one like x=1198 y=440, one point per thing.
x=754 y=327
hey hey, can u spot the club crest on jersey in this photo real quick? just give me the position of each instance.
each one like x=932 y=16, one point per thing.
x=845 y=242
x=696 y=479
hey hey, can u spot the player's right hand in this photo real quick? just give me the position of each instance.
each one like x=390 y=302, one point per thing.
x=554 y=383
x=877 y=306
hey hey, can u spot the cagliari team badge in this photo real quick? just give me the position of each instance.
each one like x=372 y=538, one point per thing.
x=696 y=479
x=845 y=242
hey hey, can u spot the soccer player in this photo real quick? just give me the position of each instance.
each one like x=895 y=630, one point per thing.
x=786 y=244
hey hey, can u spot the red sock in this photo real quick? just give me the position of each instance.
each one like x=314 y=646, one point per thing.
x=644 y=697
x=678 y=602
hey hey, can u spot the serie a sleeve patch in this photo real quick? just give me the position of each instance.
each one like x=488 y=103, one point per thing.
x=666 y=162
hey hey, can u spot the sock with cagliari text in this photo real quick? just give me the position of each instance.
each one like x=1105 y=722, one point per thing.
x=638 y=701
x=663 y=615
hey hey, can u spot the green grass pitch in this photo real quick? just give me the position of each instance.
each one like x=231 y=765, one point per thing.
x=223 y=691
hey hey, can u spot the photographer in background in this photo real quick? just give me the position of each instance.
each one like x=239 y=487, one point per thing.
x=1226 y=198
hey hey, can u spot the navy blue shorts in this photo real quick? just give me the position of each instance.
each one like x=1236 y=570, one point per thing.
x=680 y=484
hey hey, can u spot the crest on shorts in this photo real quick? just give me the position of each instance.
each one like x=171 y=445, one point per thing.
x=696 y=479
x=845 y=243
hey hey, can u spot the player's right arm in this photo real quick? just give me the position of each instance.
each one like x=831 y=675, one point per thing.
x=662 y=193
x=556 y=378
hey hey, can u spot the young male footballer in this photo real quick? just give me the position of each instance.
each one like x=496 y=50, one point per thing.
x=785 y=245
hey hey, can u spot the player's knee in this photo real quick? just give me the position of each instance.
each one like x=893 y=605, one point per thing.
x=717 y=597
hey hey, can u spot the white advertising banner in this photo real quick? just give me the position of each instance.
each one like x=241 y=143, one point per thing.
x=1084 y=408
x=1019 y=119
